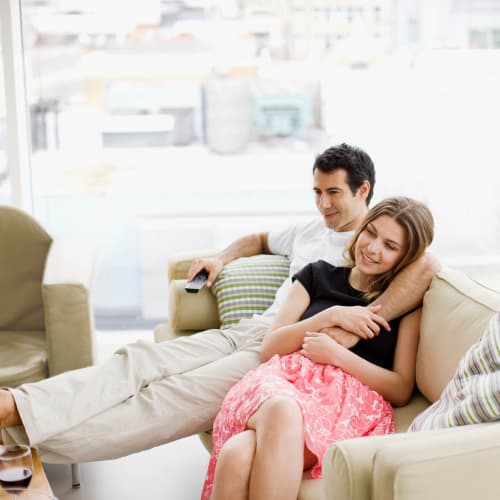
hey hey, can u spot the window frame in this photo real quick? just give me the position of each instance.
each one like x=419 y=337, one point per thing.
x=18 y=136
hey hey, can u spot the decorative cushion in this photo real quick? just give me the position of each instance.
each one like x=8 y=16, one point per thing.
x=247 y=286
x=473 y=394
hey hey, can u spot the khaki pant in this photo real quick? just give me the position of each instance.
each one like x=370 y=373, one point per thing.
x=147 y=394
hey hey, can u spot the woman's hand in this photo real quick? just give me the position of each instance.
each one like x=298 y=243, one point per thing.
x=213 y=266
x=321 y=348
x=363 y=321
x=344 y=338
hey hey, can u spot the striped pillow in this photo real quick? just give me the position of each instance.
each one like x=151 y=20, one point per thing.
x=473 y=394
x=247 y=286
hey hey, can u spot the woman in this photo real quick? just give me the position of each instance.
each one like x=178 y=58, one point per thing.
x=279 y=419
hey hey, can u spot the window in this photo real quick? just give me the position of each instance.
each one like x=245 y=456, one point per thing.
x=496 y=38
x=175 y=126
x=478 y=39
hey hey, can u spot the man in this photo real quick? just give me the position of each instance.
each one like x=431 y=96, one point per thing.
x=148 y=394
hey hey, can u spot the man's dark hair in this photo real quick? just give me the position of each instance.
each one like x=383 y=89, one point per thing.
x=357 y=164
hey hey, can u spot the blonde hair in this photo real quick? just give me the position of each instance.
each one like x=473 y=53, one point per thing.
x=416 y=220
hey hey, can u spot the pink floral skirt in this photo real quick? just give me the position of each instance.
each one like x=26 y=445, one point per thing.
x=334 y=405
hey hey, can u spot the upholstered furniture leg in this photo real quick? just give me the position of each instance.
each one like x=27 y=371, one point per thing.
x=75 y=475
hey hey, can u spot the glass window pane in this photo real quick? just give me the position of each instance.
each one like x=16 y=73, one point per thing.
x=176 y=126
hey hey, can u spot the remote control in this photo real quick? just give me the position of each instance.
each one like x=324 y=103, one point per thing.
x=197 y=283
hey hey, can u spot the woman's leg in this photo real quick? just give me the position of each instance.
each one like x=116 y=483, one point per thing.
x=234 y=465
x=279 y=456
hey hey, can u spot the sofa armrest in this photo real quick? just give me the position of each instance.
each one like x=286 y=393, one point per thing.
x=456 y=463
x=179 y=263
x=67 y=280
x=191 y=311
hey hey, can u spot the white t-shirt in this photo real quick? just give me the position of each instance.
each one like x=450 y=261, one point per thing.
x=302 y=244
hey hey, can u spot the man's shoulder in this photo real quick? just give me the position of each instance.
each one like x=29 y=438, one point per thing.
x=314 y=225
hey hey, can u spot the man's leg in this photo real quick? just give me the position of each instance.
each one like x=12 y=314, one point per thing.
x=59 y=403
x=162 y=410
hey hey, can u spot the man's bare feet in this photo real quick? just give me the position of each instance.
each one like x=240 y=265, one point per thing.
x=9 y=416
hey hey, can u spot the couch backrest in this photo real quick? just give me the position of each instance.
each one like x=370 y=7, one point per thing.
x=24 y=246
x=455 y=313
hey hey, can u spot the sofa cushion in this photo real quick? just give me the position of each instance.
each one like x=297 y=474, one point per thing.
x=455 y=313
x=404 y=415
x=247 y=286
x=23 y=357
x=473 y=394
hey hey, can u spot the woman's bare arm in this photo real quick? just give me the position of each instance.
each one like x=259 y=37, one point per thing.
x=394 y=385
x=287 y=332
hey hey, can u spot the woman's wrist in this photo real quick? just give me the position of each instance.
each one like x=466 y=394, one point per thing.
x=333 y=313
x=339 y=355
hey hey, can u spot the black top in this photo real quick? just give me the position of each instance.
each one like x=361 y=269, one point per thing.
x=328 y=286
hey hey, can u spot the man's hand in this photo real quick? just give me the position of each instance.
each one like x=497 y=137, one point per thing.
x=360 y=320
x=213 y=266
x=342 y=337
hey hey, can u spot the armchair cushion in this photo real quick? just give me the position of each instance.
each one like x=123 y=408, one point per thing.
x=472 y=395
x=247 y=286
x=23 y=357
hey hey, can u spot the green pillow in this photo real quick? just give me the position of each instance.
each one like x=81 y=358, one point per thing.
x=247 y=286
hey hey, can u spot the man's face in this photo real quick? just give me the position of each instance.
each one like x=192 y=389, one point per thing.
x=341 y=210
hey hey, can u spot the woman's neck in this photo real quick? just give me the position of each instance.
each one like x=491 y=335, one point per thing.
x=358 y=280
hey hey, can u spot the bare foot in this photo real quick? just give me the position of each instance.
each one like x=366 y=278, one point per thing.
x=9 y=417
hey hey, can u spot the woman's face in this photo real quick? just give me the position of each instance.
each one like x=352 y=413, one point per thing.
x=380 y=246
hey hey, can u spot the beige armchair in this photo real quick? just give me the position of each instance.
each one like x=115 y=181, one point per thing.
x=46 y=322
x=458 y=463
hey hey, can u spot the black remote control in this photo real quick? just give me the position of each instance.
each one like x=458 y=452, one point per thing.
x=197 y=283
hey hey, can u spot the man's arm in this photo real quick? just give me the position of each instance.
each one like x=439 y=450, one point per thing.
x=245 y=246
x=408 y=287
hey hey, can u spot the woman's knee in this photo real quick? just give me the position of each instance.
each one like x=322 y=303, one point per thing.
x=283 y=408
x=238 y=451
x=281 y=411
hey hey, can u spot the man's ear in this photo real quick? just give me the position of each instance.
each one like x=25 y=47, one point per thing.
x=364 y=189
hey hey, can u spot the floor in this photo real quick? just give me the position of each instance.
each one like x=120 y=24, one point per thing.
x=174 y=471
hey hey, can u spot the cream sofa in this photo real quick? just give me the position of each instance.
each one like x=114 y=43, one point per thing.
x=458 y=463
